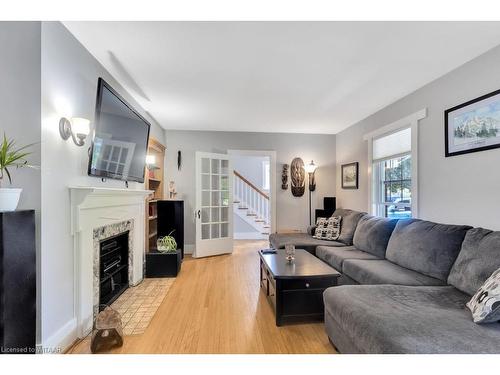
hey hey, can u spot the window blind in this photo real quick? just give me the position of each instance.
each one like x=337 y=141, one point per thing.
x=393 y=144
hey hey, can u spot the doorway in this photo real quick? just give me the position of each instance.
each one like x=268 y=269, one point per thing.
x=254 y=186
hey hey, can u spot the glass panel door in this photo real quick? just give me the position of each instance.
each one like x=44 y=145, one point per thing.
x=214 y=194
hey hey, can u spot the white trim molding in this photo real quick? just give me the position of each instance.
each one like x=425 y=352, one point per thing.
x=410 y=121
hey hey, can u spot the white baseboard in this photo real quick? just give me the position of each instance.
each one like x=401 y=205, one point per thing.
x=188 y=249
x=250 y=236
x=62 y=339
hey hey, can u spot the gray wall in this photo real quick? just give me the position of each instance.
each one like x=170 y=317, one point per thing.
x=69 y=83
x=20 y=111
x=461 y=189
x=292 y=212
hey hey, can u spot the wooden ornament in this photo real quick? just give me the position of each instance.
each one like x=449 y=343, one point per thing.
x=284 y=177
x=297 y=177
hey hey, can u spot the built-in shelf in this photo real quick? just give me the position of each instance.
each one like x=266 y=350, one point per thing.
x=154 y=179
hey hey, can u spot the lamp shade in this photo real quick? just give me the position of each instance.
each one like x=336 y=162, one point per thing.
x=80 y=125
x=150 y=160
x=311 y=167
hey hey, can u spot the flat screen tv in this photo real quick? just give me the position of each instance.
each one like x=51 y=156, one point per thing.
x=120 y=141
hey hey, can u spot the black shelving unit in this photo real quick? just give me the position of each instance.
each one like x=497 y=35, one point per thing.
x=17 y=282
x=171 y=218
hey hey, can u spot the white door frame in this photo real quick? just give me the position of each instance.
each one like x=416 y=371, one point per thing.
x=272 y=168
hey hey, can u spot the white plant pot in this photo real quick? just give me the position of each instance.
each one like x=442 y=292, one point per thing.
x=9 y=199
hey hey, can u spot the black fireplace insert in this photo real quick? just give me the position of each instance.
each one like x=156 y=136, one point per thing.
x=113 y=267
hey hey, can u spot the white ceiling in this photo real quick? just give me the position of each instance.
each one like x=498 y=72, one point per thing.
x=301 y=77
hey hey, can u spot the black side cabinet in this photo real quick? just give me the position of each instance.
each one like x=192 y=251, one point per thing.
x=17 y=282
x=163 y=264
x=171 y=218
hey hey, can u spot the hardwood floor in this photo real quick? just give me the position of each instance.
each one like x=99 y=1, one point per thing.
x=216 y=306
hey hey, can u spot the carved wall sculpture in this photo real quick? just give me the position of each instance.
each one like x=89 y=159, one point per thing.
x=284 y=177
x=298 y=177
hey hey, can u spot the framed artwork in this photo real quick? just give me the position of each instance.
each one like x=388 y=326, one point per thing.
x=473 y=126
x=350 y=175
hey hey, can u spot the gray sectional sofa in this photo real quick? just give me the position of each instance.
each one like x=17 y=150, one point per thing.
x=405 y=284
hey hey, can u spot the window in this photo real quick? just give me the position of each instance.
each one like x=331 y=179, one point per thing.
x=392 y=174
x=393 y=189
x=393 y=156
x=266 y=175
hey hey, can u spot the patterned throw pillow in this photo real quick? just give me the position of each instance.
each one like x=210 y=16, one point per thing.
x=485 y=304
x=328 y=228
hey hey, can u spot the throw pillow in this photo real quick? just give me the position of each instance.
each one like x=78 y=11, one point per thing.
x=328 y=229
x=485 y=304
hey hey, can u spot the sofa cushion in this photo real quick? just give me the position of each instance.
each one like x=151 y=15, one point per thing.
x=426 y=247
x=406 y=319
x=479 y=257
x=372 y=234
x=384 y=272
x=300 y=240
x=350 y=220
x=335 y=256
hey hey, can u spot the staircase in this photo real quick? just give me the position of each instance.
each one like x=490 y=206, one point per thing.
x=252 y=205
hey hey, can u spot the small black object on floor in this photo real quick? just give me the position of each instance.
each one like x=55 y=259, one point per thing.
x=160 y=264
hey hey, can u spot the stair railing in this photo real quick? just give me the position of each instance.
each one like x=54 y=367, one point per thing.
x=251 y=197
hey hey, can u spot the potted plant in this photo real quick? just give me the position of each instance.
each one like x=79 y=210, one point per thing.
x=11 y=156
x=166 y=244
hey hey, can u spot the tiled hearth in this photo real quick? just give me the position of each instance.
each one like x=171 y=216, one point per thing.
x=137 y=305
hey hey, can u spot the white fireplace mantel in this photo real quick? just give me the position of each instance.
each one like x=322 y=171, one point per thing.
x=96 y=207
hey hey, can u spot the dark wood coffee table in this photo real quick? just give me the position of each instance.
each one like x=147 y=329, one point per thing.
x=295 y=290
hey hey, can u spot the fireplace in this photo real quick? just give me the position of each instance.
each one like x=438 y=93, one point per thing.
x=113 y=268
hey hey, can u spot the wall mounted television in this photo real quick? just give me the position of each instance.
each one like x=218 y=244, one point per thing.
x=121 y=136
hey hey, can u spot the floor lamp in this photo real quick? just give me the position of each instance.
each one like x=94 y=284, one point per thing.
x=311 y=168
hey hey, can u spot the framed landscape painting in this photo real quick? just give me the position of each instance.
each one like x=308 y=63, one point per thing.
x=350 y=174
x=473 y=126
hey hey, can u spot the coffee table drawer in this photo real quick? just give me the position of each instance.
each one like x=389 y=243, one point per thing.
x=315 y=283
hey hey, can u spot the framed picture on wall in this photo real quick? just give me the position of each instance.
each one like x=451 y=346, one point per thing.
x=350 y=175
x=473 y=126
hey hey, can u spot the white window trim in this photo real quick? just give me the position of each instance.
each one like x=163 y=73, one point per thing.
x=410 y=121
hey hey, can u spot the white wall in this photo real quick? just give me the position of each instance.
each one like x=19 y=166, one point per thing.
x=251 y=167
x=20 y=113
x=69 y=83
x=461 y=189
x=292 y=212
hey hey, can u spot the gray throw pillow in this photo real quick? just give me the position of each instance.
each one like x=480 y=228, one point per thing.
x=328 y=229
x=485 y=304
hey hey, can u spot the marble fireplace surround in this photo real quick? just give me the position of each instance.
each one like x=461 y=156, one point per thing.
x=95 y=213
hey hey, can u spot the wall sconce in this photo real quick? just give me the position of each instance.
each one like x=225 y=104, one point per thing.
x=77 y=128
x=311 y=168
x=150 y=161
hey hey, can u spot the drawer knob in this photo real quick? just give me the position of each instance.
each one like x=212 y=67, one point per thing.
x=307 y=285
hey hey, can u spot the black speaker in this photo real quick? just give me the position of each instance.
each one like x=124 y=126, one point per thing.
x=329 y=203
x=17 y=282
x=171 y=218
